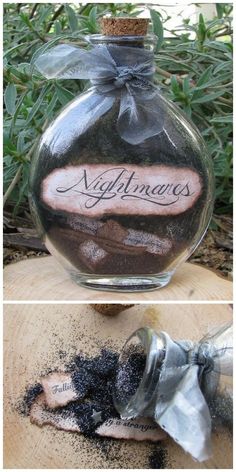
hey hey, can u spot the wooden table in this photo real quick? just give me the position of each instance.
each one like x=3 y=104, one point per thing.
x=44 y=279
x=33 y=337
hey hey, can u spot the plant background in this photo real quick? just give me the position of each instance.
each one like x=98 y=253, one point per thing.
x=193 y=68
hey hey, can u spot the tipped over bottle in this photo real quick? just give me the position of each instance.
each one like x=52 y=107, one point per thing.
x=185 y=386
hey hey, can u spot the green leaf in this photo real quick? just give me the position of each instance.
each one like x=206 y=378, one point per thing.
x=215 y=81
x=222 y=119
x=205 y=76
x=219 y=10
x=93 y=17
x=64 y=96
x=45 y=14
x=10 y=98
x=37 y=104
x=157 y=28
x=57 y=26
x=23 y=191
x=201 y=34
x=188 y=110
x=186 y=86
x=51 y=105
x=26 y=19
x=18 y=107
x=175 y=85
x=219 y=46
x=213 y=23
x=15 y=72
x=223 y=66
x=208 y=97
x=15 y=48
x=73 y=20
x=20 y=143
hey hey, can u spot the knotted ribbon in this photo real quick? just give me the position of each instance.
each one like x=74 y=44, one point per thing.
x=115 y=72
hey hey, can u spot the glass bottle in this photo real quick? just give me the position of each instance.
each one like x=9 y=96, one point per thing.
x=163 y=379
x=122 y=206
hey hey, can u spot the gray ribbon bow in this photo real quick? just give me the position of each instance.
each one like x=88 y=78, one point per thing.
x=189 y=378
x=115 y=72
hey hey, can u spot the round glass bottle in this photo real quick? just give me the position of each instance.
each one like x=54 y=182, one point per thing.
x=122 y=206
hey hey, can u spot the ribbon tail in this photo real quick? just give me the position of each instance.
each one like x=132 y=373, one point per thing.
x=186 y=417
x=141 y=115
x=70 y=62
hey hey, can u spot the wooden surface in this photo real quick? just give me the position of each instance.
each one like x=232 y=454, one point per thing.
x=44 y=279
x=33 y=337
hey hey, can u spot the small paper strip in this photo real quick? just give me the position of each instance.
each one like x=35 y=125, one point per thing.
x=58 y=389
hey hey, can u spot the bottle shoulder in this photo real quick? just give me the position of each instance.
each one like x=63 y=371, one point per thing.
x=92 y=115
x=76 y=118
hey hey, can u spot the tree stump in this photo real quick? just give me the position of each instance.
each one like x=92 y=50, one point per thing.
x=33 y=337
x=44 y=279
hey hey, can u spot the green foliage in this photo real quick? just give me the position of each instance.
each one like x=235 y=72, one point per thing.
x=194 y=69
x=157 y=28
x=10 y=98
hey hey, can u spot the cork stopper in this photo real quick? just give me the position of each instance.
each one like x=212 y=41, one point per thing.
x=121 y=26
x=110 y=309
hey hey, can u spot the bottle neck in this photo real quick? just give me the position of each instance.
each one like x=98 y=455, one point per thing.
x=147 y=344
x=147 y=42
x=133 y=55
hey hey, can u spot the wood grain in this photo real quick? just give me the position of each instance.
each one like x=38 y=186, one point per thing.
x=33 y=337
x=44 y=279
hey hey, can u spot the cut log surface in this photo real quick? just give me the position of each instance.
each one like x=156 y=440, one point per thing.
x=34 y=335
x=44 y=278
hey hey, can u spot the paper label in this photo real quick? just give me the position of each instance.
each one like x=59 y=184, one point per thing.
x=140 y=429
x=58 y=389
x=95 y=190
